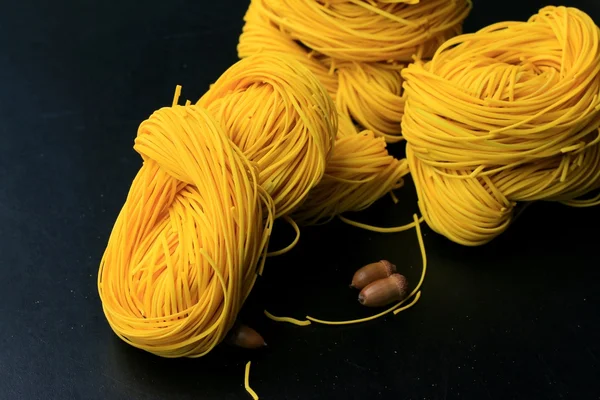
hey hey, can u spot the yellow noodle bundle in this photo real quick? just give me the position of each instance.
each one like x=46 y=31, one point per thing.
x=356 y=48
x=510 y=113
x=281 y=117
x=193 y=233
x=370 y=94
x=359 y=172
x=184 y=251
x=260 y=35
x=357 y=30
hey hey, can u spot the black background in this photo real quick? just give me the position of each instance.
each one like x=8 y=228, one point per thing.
x=516 y=319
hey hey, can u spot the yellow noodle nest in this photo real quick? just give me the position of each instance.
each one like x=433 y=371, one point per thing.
x=359 y=172
x=510 y=113
x=282 y=119
x=356 y=48
x=184 y=250
x=193 y=233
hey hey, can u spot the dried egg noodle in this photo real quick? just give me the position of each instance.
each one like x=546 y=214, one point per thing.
x=193 y=233
x=356 y=48
x=183 y=253
x=359 y=172
x=510 y=113
x=282 y=119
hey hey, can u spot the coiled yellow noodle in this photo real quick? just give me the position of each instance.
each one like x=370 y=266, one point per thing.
x=359 y=172
x=357 y=30
x=510 y=113
x=282 y=118
x=372 y=95
x=356 y=48
x=261 y=36
x=184 y=250
x=247 y=386
x=191 y=237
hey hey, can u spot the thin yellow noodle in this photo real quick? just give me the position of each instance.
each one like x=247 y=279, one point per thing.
x=291 y=245
x=372 y=228
x=372 y=317
x=290 y=320
x=250 y=391
x=359 y=172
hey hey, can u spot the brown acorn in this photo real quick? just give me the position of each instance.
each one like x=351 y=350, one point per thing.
x=384 y=291
x=371 y=273
x=245 y=337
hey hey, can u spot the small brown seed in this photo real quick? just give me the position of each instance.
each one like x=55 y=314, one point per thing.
x=245 y=337
x=384 y=291
x=371 y=273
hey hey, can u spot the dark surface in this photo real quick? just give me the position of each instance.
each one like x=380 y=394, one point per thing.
x=517 y=319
